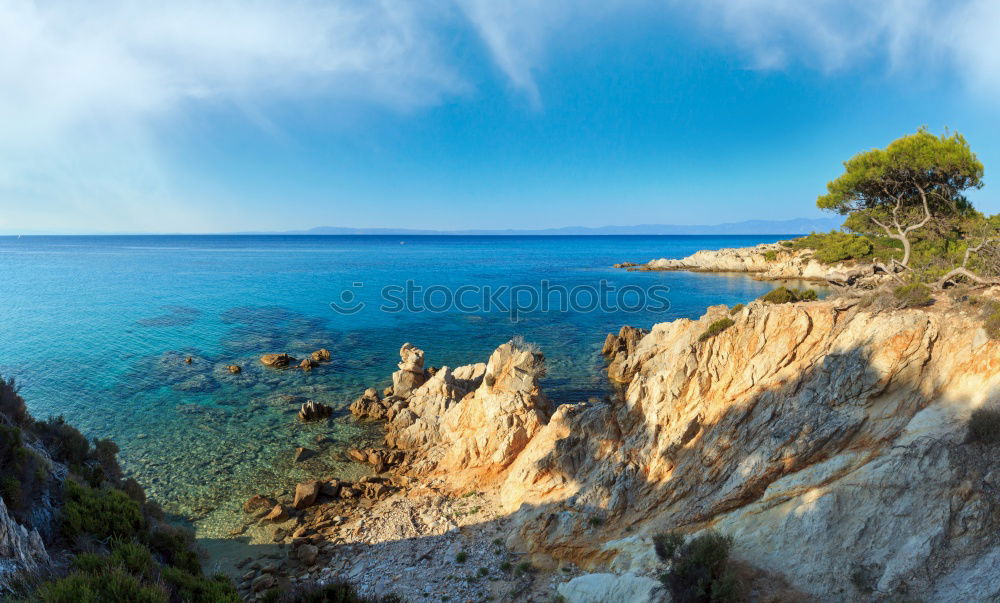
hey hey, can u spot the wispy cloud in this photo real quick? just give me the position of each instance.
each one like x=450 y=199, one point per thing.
x=914 y=37
x=88 y=88
x=85 y=85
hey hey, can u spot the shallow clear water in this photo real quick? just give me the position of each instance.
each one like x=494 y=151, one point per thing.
x=97 y=329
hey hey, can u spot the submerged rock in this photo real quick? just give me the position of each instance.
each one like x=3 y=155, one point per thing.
x=257 y=502
x=234 y=369
x=307 y=364
x=303 y=454
x=321 y=355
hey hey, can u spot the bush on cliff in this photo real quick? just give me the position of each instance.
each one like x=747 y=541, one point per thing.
x=100 y=512
x=700 y=570
x=984 y=425
x=715 y=328
x=913 y=295
x=784 y=295
x=835 y=246
x=131 y=554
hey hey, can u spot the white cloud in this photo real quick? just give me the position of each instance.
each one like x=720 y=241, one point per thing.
x=88 y=88
x=84 y=86
x=920 y=38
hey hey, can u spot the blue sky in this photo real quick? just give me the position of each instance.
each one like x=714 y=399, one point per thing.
x=450 y=114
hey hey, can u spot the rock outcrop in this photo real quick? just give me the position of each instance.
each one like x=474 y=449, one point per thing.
x=276 y=360
x=20 y=548
x=314 y=411
x=411 y=373
x=472 y=421
x=770 y=261
x=827 y=440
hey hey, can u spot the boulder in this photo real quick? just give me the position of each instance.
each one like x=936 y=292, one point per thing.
x=321 y=355
x=234 y=369
x=257 y=502
x=369 y=405
x=602 y=588
x=617 y=349
x=307 y=364
x=276 y=360
x=306 y=494
x=278 y=513
x=330 y=488
x=263 y=582
x=302 y=454
x=314 y=411
x=411 y=373
x=307 y=554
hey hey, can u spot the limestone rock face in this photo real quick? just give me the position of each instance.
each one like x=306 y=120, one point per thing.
x=473 y=421
x=20 y=549
x=411 y=370
x=828 y=440
x=786 y=264
x=617 y=349
x=602 y=588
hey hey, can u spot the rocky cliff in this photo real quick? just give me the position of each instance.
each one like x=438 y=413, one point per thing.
x=770 y=261
x=829 y=440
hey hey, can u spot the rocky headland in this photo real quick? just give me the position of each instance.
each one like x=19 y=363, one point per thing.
x=829 y=440
x=770 y=261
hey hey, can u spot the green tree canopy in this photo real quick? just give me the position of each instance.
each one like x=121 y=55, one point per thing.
x=916 y=179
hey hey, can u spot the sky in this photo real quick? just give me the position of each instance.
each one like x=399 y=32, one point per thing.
x=270 y=115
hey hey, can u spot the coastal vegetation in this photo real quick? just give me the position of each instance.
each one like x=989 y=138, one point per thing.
x=715 y=328
x=699 y=569
x=907 y=213
x=116 y=544
x=785 y=295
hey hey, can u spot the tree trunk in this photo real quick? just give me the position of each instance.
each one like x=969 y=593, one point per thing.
x=906 y=250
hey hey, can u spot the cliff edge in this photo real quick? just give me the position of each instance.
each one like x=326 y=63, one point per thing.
x=830 y=440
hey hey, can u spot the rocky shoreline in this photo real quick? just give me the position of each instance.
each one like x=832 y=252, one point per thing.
x=768 y=262
x=776 y=431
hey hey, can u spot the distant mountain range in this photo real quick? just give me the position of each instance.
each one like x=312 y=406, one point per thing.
x=749 y=227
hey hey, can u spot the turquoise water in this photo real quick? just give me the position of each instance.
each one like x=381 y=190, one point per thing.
x=97 y=329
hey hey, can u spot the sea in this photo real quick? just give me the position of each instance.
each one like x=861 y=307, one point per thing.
x=99 y=330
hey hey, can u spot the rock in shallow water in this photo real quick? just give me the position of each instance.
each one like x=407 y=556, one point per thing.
x=276 y=360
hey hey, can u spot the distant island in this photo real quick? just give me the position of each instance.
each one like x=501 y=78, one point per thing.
x=748 y=227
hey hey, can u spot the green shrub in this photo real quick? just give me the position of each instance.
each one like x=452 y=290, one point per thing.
x=784 y=295
x=89 y=563
x=736 y=309
x=836 y=246
x=176 y=546
x=715 y=328
x=100 y=512
x=114 y=584
x=701 y=571
x=461 y=557
x=333 y=592
x=984 y=425
x=199 y=589
x=64 y=441
x=10 y=490
x=667 y=544
x=913 y=295
x=991 y=319
x=771 y=255
x=133 y=557
x=11 y=403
